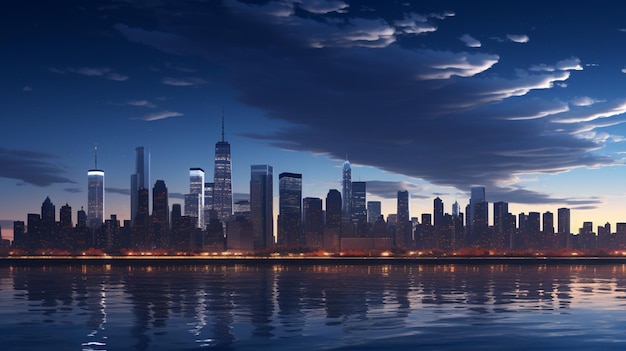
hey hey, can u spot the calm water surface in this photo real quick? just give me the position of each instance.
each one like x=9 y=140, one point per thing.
x=313 y=307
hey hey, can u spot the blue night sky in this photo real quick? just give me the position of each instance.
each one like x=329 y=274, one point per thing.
x=526 y=99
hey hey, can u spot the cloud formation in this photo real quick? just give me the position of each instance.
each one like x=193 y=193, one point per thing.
x=30 y=167
x=158 y=116
x=369 y=88
x=104 y=72
x=183 y=82
x=470 y=41
x=389 y=189
x=518 y=38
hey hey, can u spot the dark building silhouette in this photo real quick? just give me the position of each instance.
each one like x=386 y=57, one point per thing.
x=262 y=206
x=437 y=212
x=332 y=227
x=313 y=223
x=139 y=180
x=403 y=222
x=290 y=210
x=160 y=214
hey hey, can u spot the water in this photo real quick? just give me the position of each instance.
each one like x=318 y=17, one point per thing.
x=313 y=307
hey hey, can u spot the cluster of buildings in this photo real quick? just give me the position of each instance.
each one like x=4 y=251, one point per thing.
x=342 y=222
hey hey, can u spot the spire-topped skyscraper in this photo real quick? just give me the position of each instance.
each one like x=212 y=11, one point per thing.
x=223 y=191
x=95 y=194
x=346 y=208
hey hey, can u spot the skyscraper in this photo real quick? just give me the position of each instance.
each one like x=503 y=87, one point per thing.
x=347 y=191
x=500 y=211
x=373 y=211
x=139 y=180
x=196 y=190
x=358 y=205
x=437 y=212
x=563 y=215
x=223 y=193
x=262 y=205
x=313 y=221
x=290 y=209
x=95 y=195
x=403 y=224
x=160 y=213
x=332 y=230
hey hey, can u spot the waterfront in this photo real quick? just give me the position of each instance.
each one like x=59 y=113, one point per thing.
x=309 y=306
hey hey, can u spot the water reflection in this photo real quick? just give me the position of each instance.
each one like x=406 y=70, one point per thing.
x=305 y=306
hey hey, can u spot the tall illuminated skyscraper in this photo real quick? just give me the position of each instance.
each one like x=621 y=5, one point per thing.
x=196 y=191
x=95 y=195
x=222 y=191
x=262 y=205
x=139 y=180
x=346 y=208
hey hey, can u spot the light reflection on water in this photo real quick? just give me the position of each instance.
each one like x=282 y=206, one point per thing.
x=311 y=307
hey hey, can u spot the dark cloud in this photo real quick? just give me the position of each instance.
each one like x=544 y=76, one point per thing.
x=32 y=167
x=117 y=191
x=176 y=196
x=366 y=87
x=73 y=190
x=389 y=189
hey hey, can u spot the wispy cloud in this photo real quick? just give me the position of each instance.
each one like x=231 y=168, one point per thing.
x=583 y=101
x=141 y=103
x=27 y=88
x=518 y=38
x=324 y=6
x=470 y=41
x=158 y=116
x=183 y=82
x=103 y=72
x=570 y=64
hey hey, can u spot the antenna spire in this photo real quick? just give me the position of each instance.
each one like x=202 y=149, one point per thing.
x=95 y=155
x=222 y=124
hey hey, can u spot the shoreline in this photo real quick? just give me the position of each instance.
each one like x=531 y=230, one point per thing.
x=352 y=260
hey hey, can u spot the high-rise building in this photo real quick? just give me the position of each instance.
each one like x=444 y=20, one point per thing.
x=403 y=220
x=139 y=180
x=196 y=190
x=332 y=229
x=65 y=216
x=373 y=211
x=48 y=209
x=563 y=215
x=95 y=194
x=478 y=221
x=208 y=202
x=347 y=191
x=358 y=204
x=548 y=222
x=262 y=206
x=456 y=209
x=160 y=213
x=313 y=221
x=437 y=212
x=500 y=211
x=333 y=208
x=223 y=192
x=290 y=209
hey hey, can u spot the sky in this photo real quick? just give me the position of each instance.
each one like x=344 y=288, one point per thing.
x=433 y=97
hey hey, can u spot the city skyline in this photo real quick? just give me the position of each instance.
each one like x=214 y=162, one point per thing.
x=432 y=98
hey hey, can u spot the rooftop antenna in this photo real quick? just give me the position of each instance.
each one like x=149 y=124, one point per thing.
x=222 y=123
x=95 y=155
